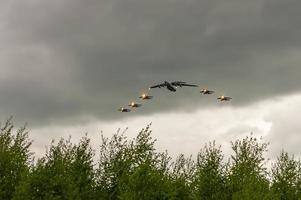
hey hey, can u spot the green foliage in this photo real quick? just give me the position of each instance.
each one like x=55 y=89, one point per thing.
x=182 y=176
x=286 y=178
x=124 y=165
x=210 y=176
x=134 y=170
x=15 y=158
x=247 y=177
x=65 y=172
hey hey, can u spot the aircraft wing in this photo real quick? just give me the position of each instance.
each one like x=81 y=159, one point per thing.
x=178 y=83
x=190 y=85
x=158 y=86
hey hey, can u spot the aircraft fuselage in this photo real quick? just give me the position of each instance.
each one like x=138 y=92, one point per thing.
x=170 y=87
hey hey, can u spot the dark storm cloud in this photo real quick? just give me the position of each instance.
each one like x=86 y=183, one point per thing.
x=69 y=59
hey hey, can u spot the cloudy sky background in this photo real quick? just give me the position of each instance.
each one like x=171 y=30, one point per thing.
x=66 y=66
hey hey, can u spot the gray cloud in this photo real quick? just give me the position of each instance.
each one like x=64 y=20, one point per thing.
x=65 y=60
x=285 y=131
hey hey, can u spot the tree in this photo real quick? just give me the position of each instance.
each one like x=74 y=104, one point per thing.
x=286 y=178
x=65 y=172
x=113 y=164
x=247 y=174
x=15 y=158
x=210 y=179
x=182 y=176
x=132 y=169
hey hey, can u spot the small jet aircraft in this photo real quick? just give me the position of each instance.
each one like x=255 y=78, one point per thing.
x=206 y=91
x=122 y=109
x=134 y=105
x=171 y=86
x=224 y=98
x=145 y=96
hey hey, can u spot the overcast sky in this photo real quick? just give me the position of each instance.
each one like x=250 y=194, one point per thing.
x=67 y=65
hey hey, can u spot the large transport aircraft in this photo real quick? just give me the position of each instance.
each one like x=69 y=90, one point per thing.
x=172 y=86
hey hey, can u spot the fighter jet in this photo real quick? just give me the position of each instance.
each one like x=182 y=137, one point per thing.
x=171 y=86
x=145 y=96
x=122 y=109
x=224 y=98
x=206 y=91
x=134 y=105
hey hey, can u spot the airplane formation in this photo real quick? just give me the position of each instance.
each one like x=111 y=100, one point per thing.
x=171 y=86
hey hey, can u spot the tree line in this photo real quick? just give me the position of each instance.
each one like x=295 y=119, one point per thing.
x=132 y=169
